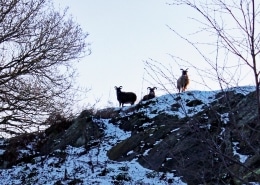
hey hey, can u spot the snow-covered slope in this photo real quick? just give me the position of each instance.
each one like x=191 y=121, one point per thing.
x=76 y=166
x=79 y=166
x=165 y=104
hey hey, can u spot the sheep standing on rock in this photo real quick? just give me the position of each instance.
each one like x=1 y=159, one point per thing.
x=183 y=81
x=125 y=97
x=150 y=95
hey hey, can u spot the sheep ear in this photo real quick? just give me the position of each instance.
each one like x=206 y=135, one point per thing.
x=148 y=87
x=155 y=88
x=182 y=69
x=120 y=87
x=187 y=69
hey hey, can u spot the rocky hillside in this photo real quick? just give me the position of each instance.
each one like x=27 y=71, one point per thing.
x=190 y=138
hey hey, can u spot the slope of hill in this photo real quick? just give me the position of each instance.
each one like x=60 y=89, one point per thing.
x=195 y=137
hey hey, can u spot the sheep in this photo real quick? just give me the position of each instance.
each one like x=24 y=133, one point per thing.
x=150 y=95
x=183 y=81
x=125 y=97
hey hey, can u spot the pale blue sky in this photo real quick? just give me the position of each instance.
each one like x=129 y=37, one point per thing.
x=123 y=34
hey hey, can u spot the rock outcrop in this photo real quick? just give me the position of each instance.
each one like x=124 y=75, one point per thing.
x=202 y=146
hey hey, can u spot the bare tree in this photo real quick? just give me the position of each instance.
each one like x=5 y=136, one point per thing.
x=229 y=30
x=236 y=27
x=38 y=46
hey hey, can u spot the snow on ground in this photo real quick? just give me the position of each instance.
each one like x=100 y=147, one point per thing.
x=94 y=167
x=91 y=167
x=242 y=158
x=165 y=104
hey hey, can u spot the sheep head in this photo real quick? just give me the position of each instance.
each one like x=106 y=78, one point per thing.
x=152 y=90
x=118 y=89
x=184 y=72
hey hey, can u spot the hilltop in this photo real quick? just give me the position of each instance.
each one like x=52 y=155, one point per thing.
x=195 y=137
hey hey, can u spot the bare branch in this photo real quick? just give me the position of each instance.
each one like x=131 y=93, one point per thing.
x=38 y=47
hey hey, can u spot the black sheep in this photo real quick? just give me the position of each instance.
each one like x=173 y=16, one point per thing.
x=125 y=97
x=150 y=95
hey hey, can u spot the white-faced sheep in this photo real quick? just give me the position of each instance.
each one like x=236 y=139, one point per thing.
x=150 y=95
x=125 y=97
x=183 y=81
